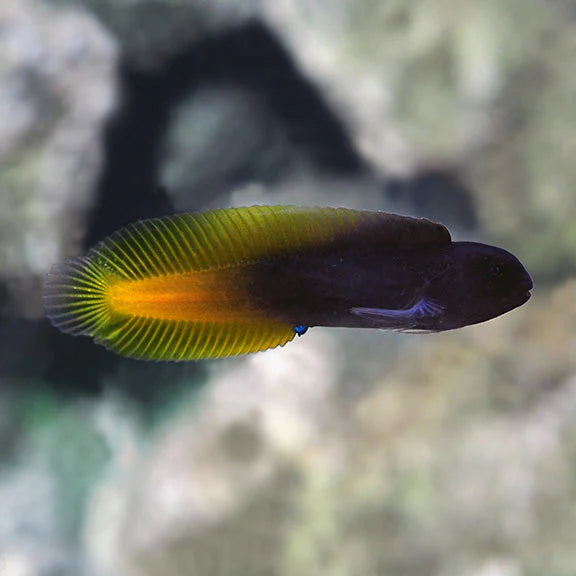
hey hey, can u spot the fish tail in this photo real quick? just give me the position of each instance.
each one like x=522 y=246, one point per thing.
x=76 y=297
x=99 y=296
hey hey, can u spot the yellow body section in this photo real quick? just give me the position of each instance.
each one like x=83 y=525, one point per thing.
x=208 y=296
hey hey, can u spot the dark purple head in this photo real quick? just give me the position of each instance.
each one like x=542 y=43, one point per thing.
x=476 y=282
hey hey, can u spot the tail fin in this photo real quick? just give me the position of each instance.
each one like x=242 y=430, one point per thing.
x=75 y=297
x=77 y=301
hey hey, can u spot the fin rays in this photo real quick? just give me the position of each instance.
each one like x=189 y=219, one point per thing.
x=400 y=319
x=221 y=238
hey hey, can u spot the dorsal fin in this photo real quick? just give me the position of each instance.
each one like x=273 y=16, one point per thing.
x=229 y=237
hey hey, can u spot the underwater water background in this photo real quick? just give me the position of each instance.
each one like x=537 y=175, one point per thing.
x=347 y=452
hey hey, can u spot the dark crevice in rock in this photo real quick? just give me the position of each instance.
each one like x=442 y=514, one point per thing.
x=34 y=352
x=438 y=194
x=248 y=57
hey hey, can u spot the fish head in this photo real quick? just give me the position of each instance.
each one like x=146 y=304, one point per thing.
x=478 y=282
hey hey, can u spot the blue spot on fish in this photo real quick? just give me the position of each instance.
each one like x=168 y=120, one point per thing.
x=301 y=329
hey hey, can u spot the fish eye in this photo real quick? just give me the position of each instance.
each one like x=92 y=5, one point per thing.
x=497 y=270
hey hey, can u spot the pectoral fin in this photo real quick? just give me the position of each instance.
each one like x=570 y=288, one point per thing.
x=400 y=319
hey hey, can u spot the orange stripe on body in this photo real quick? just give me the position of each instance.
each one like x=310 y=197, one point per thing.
x=207 y=296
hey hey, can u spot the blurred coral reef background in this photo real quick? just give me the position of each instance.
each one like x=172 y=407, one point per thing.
x=347 y=452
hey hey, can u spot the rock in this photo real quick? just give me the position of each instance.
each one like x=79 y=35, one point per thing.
x=57 y=88
x=524 y=178
x=455 y=459
x=222 y=138
x=471 y=448
x=223 y=480
x=414 y=82
x=248 y=120
x=482 y=88
x=151 y=31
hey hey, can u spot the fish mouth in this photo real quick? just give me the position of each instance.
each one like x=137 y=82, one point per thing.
x=523 y=294
x=520 y=295
x=528 y=289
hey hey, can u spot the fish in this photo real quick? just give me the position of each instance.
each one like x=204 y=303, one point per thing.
x=234 y=281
